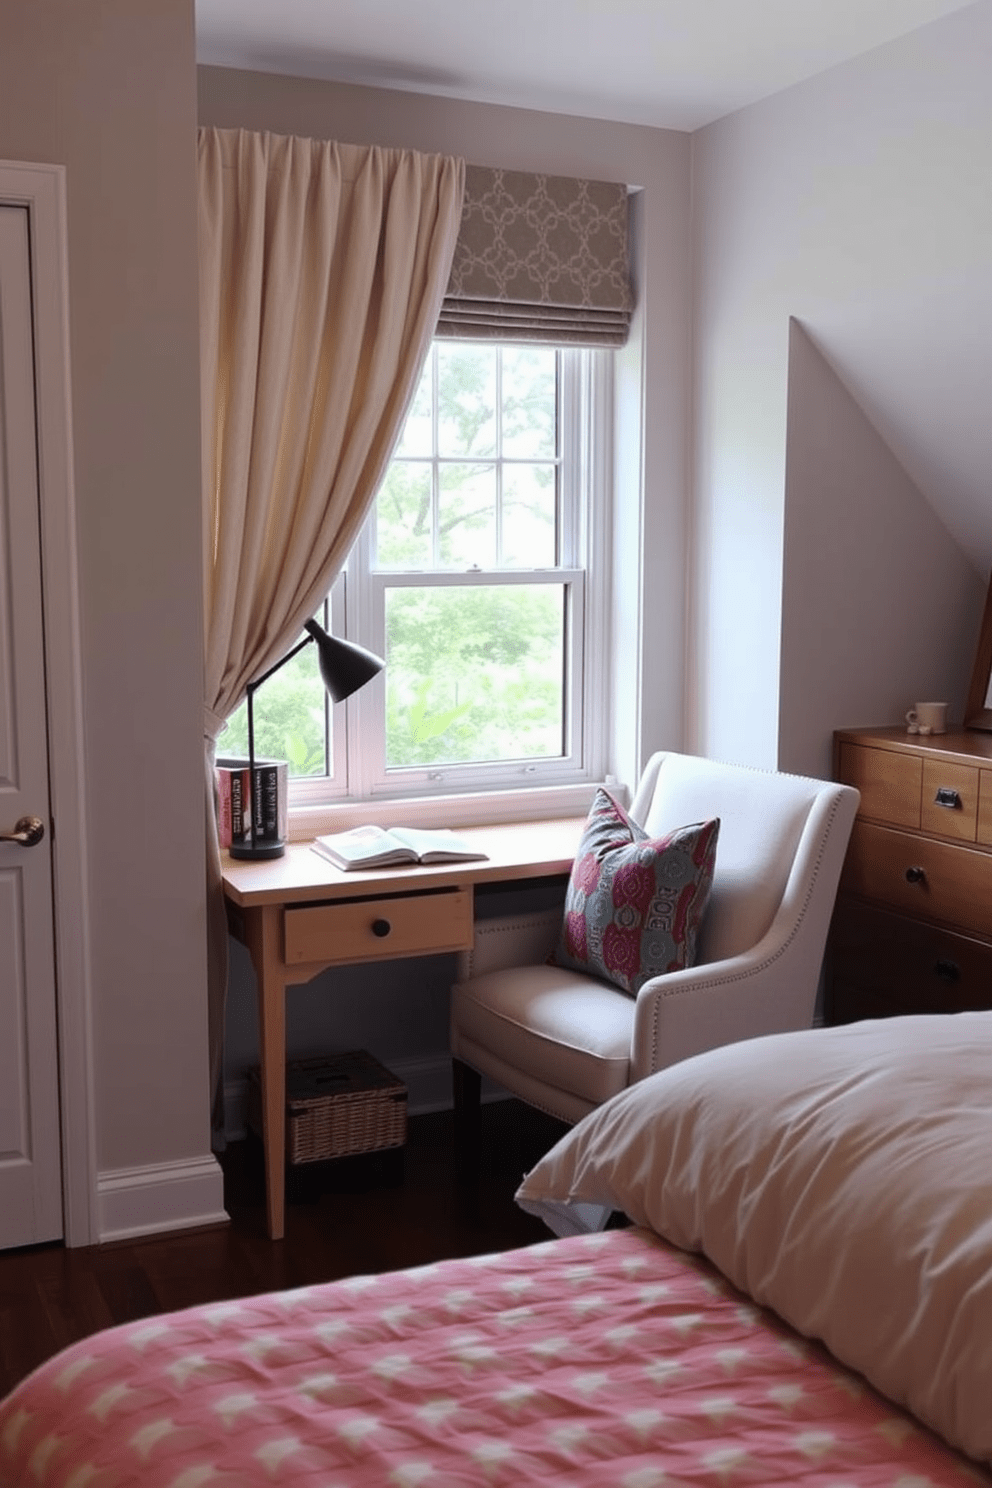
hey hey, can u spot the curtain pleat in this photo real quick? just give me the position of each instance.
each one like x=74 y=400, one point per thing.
x=322 y=271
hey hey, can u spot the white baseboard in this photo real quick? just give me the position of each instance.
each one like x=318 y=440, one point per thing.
x=428 y=1084
x=160 y=1197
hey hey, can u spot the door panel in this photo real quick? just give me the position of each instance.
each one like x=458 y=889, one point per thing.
x=30 y=1159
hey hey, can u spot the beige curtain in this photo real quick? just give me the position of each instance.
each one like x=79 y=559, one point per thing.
x=322 y=270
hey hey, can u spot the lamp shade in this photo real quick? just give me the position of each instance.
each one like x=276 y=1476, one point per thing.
x=344 y=667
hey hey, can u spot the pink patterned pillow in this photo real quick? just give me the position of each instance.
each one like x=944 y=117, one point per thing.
x=634 y=903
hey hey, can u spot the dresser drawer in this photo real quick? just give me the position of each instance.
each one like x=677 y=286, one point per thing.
x=883 y=964
x=920 y=877
x=352 y=930
x=890 y=783
x=984 y=830
x=949 y=806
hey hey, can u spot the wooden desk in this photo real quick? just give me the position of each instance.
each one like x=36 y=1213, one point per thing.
x=298 y=915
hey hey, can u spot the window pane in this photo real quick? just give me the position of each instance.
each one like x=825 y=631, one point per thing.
x=474 y=674
x=530 y=507
x=418 y=431
x=467 y=516
x=530 y=403
x=466 y=395
x=291 y=719
x=403 y=517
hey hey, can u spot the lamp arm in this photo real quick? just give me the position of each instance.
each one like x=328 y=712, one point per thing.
x=344 y=668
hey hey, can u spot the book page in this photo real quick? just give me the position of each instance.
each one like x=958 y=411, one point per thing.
x=438 y=841
x=360 y=844
x=359 y=839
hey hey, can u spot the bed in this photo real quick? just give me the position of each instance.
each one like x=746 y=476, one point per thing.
x=802 y=1295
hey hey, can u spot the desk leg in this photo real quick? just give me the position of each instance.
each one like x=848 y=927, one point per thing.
x=263 y=931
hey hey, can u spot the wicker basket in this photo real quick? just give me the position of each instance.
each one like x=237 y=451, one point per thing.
x=336 y=1106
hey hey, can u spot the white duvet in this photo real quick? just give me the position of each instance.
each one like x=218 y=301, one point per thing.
x=842 y=1177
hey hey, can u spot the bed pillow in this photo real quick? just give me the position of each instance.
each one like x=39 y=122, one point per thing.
x=634 y=903
x=840 y=1176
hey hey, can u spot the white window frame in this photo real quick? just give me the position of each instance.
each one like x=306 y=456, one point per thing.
x=358 y=611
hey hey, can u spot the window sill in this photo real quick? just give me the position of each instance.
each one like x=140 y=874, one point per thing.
x=469 y=809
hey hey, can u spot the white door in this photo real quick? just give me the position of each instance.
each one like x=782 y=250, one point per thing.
x=30 y=1159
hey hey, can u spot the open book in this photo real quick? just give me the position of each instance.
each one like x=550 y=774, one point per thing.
x=377 y=847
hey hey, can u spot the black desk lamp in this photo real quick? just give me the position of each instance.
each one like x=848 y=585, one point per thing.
x=344 y=668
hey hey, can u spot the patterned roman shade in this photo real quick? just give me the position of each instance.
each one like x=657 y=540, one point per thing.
x=539 y=258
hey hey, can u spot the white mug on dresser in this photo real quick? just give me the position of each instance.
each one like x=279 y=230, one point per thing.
x=927 y=718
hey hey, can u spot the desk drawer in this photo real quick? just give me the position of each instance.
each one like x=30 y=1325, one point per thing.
x=352 y=930
x=932 y=880
x=983 y=831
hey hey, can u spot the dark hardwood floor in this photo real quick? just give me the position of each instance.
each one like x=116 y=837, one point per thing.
x=365 y=1215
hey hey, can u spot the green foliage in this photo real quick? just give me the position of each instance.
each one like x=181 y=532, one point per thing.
x=461 y=531
x=466 y=397
x=424 y=728
x=289 y=719
x=529 y=402
x=403 y=516
x=485 y=660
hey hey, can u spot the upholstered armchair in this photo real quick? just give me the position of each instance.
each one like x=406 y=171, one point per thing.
x=565 y=1041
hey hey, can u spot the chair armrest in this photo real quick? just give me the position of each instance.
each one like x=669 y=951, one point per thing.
x=770 y=988
x=762 y=991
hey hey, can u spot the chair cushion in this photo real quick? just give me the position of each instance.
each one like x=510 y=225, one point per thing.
x=634 y=902
x=562 y=1028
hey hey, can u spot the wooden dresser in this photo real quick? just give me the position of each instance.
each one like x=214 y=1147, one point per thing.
x=912 y=929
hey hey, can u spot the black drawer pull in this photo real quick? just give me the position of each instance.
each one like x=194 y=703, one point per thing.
x=381 y=928
x=915 y=875
x=947 y=797
x=948 y=971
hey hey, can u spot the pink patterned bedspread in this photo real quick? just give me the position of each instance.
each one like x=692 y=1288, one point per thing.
x=600 y=1360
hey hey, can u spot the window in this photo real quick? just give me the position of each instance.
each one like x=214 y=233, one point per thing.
x=480 y=576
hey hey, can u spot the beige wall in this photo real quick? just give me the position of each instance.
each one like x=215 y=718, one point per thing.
x=108 y=90
x=859 y=203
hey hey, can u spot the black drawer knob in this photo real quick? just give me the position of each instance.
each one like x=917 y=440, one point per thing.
x=947 y=797
x=948 y=971
x=915 y=875
x=381 y=928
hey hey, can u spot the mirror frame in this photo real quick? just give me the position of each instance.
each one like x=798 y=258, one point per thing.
x=978 y=713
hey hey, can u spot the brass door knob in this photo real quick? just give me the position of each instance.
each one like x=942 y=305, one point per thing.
x=28 y=831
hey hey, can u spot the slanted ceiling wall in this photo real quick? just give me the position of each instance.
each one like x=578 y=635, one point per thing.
x=859 y=203
x=882 y=609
